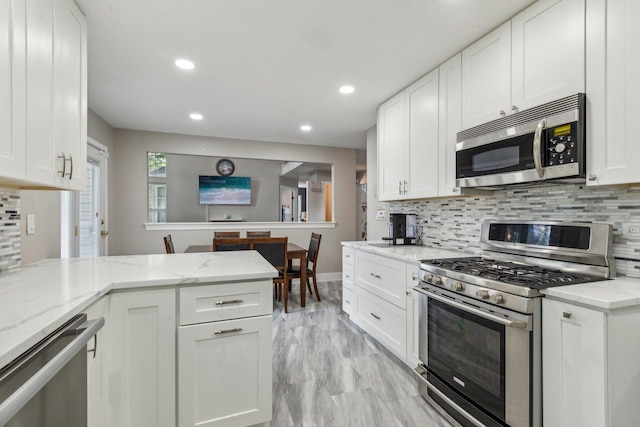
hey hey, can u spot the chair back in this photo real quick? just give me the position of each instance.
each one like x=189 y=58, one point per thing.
x=227 y=244
x=259 y=234
x=226 y=234
x=168 y=244
x=274 y=250
x=314 y=249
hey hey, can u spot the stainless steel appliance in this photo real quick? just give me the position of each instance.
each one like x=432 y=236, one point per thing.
x=542 y=143
x=480 y=317
x=47 y=385
x=403 y=229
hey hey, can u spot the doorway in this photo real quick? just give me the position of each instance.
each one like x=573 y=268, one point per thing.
x=84 y=214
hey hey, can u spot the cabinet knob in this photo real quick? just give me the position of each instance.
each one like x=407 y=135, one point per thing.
x=566 y=314
x=514 y=108
x=502 y=113
x=104 y=233
x=414 y=276
x=593 y=177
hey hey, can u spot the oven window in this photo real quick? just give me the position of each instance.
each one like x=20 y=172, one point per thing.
x=509 y=155
x=496 y=159
x=468 y=352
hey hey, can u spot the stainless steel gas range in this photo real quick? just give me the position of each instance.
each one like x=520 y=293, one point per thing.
x=480 y=317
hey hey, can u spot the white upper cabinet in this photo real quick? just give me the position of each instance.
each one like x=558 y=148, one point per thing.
x=613 y=84
x=408 y=142
x=486 y=78
x=548 y=58
x=450 y=110
x=12 y=151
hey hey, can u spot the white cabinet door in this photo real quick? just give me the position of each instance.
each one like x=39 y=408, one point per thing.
x=392 y=148
x=613 y=67
x=450 y=111
x=548 y=56
x=12 y=103
x=486 y=78
x=384 y=321
x=96 y=390
x=421 y=179
x=412 y=315
x=71 y=91
x=574 y=365
x=43 y=163
x=224 y=376
x=141 y=361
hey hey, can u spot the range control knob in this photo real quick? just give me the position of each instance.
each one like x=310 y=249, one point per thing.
x=498 y=298
x=482 y=294
x=457 y=286
x=437 y=281
x=428 y=278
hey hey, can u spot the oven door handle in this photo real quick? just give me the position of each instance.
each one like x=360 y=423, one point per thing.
x=537 y=148
x=506 y=322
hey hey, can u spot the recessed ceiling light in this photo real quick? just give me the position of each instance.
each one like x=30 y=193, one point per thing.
x=185 y=64
x=346 y=89
x=305 y=128
x=196 y=116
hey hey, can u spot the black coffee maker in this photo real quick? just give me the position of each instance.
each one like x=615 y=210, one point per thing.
x=403 y=229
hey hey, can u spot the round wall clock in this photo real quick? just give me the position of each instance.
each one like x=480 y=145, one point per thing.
x=225 y=167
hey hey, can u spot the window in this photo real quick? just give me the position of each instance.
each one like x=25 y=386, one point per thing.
x=157 y=187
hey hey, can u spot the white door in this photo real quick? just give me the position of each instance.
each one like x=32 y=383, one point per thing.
x=84 y=214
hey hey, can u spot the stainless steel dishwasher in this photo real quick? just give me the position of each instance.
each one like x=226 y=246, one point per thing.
x=47 y=385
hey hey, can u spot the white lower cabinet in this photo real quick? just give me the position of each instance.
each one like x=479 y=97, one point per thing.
x=224 y=379
x=590 y=365
x=412 y=315
x=95 y=357
x=140 y=371
x=383 y=320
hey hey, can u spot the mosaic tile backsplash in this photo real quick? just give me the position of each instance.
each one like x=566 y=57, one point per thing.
x=9 y=229
x=455 y=223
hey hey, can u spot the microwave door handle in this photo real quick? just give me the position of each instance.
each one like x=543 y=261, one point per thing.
x=537 y=148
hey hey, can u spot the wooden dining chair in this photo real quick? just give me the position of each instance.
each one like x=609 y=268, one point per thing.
x=230 y=244
x=312 y=258
x=168 y=244
x=226 y=234
x=258 y=234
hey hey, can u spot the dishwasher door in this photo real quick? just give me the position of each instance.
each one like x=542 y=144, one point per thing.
x=47 y=385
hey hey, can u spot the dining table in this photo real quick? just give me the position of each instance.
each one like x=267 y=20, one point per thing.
x=293 y=252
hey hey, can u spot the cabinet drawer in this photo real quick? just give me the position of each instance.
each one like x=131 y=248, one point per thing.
x=348 y=276
x=349 y=301
x=383 y=277
x=348 y=255
x=199 y=304
x=384 y=321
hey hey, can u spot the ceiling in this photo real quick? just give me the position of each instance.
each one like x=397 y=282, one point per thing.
x=265 y=67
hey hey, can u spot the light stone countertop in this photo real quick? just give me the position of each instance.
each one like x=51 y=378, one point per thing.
x=611 y=294
x=37 y=298
x=406 y=253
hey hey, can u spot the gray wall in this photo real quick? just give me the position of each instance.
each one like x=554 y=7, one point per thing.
x=182 y=189
x=45 y=205
x=127 y=234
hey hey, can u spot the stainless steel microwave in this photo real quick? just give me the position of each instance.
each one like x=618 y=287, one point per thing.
x=542 y=143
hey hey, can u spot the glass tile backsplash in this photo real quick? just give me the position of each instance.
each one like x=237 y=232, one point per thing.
x=9 y=229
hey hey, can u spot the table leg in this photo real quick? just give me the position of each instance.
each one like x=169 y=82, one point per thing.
x=303 y=279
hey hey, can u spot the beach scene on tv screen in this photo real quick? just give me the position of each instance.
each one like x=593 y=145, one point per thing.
x=224 y=190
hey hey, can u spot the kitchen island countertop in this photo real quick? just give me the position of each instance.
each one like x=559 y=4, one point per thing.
x=37 y=298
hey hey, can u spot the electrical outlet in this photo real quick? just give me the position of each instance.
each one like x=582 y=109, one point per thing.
x=31 y=224
x=631 y=230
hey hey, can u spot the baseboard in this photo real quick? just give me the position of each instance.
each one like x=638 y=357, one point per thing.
x=325 y=277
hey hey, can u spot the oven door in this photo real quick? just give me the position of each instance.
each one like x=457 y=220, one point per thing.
x=478 y=358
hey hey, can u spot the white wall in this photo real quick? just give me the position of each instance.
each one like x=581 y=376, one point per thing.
x=128 y=236
x=376 y=230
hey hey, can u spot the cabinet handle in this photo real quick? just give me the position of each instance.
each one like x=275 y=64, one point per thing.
x=376 y=276
x=71 y=168
x=593 y=177
x=377 y=317
x=233 y=301
x=404 y=187
x=399 y=187
x=94 y=350
x=227 y=331
x=63 y=172
x=347 y=276
x=502 y=113
x=347 y=301
x=347 y=256
x=514 y=108
x=414 y=276
x=566 y=314
x=407 y=292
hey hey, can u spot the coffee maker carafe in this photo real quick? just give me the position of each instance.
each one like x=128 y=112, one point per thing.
x=403 y=229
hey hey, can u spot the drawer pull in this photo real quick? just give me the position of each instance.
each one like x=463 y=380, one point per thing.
x=566 y=314
x=414 y=276
x=347 y=276
x=377 y=317
x=227 y=331
x=347 y=301
x=376 y=276
x=233 y=301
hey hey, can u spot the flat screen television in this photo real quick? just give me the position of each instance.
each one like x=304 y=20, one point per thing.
x=224 y=190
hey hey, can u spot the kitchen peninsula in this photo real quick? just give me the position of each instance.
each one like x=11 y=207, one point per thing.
x=156 y=308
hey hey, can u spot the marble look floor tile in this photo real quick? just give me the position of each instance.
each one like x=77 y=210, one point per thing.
x=363 y=408
x=310 y=405
x=413 y=412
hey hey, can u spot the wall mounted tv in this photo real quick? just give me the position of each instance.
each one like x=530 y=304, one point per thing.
x=224 y=190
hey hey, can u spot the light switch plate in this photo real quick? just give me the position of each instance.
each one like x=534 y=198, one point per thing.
x=31 y=224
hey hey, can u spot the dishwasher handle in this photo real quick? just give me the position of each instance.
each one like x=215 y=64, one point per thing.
x=12 y=404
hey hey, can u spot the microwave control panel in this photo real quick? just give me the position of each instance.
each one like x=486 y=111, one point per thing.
x=561 y=144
